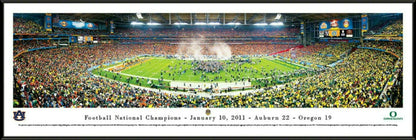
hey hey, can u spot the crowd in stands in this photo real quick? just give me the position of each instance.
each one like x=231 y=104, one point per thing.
x=391 y=27
x=300 y=52
x=59 y=78
x=394 y=93
x=166 y=48
x=389 y=38
x=395 y=47
x=328 y=54
x=207 y=32
x=20 y=46
x=24 y=26
x=258 y=49
x=395 y=28
x=184 y=49
x=27 y=26
x=390 y=31
x=356 y=83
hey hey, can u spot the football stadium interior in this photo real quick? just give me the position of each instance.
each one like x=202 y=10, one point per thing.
x=208 y=60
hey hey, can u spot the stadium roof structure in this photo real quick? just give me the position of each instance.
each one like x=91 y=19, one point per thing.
x=206 y=18
x=192 y=18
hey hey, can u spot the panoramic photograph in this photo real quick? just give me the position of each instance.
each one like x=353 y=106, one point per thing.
x=208 y=60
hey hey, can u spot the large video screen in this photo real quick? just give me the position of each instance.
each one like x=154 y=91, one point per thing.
x=336 y=28
x=80 y=39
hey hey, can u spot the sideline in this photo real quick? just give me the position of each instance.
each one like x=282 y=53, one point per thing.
x=201 y=94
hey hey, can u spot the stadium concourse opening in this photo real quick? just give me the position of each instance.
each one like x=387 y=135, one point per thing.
x=216 y=60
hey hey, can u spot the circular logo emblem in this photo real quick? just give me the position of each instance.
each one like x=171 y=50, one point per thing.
x=64 y=24
x=393 y=114
x=208 y=112
x=89 y=25
x=346 y=23
x=324 y=26
x=333 y=33
x=334 y=23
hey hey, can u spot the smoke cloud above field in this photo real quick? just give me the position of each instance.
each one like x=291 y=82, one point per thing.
x=200 y=48
x=221 y=50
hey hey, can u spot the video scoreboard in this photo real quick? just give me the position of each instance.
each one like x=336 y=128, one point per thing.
x=83 y=39
x=336 y=28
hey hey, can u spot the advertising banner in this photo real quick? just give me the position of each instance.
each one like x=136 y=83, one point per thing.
x=333 y=33
x=72 y=39
x=112 y=27
x=88 y=38
x=80 y=39
x=345 y=24
x=48 y=22
x=324 y=26
x=302 y=28
x=76 y=25
x=364 y=23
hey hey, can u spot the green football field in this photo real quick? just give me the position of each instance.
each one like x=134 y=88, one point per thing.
x=159 y=68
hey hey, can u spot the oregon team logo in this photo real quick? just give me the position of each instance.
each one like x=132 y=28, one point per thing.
x=346 y=23
x=208 y=112
x=393 y=116
x=19 y=115
x=64 y=24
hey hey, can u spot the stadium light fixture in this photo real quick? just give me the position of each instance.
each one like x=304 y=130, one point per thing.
x=153 y=23
x=200 y=23
x=278 y=16
x=234 y=23
x=136 y=23
x=139 y=15
x=277 y=23
x=260 y=24
x=180 y=23
x=214 y=23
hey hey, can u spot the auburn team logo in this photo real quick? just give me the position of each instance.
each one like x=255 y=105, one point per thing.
x=89 y=25
x=208 y=112
x=19 y=115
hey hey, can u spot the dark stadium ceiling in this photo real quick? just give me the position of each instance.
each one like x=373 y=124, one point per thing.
x=171 y=18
